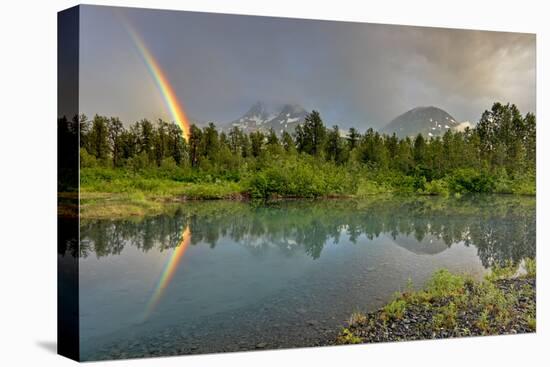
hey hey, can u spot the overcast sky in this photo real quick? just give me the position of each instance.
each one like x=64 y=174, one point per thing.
x=355 y=74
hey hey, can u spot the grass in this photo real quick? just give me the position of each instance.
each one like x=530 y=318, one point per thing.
x=347 y=337
x=508 y=270
x=357 y=318
x=157 y=200
x=453 y=305
x=116 y=192
x=530 y=266
x=395 y=309
x=110 y=193
x=445 y=284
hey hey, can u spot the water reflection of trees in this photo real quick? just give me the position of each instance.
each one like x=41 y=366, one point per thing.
x=501 y=228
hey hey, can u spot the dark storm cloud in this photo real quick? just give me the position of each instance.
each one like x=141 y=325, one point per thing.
x=354 y=74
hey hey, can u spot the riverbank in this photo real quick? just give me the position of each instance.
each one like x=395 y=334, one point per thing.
x=114 y=193
x=142 y=203
x=452 y=306
x=139 y=205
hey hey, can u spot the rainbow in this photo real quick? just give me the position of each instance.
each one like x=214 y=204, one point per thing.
x=169 y=271
x=161 y=80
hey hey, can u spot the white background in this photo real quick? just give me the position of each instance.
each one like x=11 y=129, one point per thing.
x=28 y=181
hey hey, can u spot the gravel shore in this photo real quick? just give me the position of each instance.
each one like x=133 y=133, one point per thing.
x=505 y=306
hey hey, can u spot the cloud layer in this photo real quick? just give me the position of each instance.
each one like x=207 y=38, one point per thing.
x=354 y=74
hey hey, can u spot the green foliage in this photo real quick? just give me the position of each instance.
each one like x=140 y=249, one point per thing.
x=503 y=271
x=367 y=188
x=348 y=337
x=470 y=180
x=209 y=191
x=395 y=309
x=483 y=321
x=530 y=266
x=139 y=162
x=443 y=284
x=357 y=318
x=498 y=156
x=311 y=135
x=495 y=305
x=299 y=178
x=453 y=302
x=532 y=323
x=86 y=159
x=446 y=316
x=435 y=187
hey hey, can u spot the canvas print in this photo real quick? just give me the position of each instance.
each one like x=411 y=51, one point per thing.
x=236 y=183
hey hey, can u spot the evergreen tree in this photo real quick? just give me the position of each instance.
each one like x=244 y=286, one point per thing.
x=288 y=142
x=334 y=146
x=419 y=150
x=210 y=141
x=145 y=131
x=176 y=143
x=353 y=138
x=99 y=138
x=405 y=160
x=235 y=138
x=310 y=137
x=372 y=150
x=84 y=131
x=392 y=143
x=256 y=143
x=195 y=138
x=273 y=144
x=530 y=140
x=115 y=139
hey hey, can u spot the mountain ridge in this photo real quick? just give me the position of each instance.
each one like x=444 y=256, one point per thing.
x=429 y=121
x=260 y=118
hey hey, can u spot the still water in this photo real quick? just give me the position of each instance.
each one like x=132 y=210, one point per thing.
x=228 y=276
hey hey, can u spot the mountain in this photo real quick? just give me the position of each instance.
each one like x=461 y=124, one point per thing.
x=260 y=118
x=254 y=119
x=287 y=119
x=429 y=121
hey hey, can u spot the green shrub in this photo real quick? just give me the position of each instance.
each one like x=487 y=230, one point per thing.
x=503 y=271
x=86 y=159
x=443 y=284
x=483 y=321
x=139 y=162
x=436 y=187
x=531 y=323
x=525 y=185
x=469 y=180
x=357 y=318
x=446 y=316
x=210 y=191
x=367 y=188
x=348 y=337
x=395 y=309
x=299 y=178
x=530 y=266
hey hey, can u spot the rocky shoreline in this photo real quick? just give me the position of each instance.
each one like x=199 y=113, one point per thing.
x=496 y=307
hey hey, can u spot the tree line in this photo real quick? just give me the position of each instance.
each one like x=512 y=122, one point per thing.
x=503 y=139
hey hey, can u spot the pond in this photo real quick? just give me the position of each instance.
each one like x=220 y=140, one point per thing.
x=230 y=276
